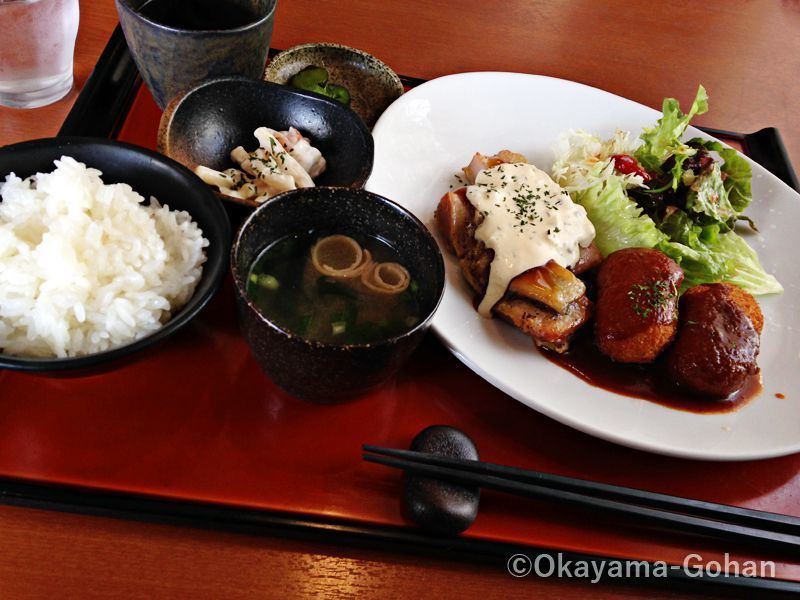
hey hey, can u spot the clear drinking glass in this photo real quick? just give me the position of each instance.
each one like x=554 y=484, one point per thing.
x=36 y=51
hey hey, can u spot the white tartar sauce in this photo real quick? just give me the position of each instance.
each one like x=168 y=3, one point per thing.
x=528 y=220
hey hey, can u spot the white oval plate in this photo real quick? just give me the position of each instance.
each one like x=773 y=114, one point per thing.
x=427 y=135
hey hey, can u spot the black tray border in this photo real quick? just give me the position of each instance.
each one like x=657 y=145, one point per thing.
x=106 y=98
x=408 y=540
x=99 y=111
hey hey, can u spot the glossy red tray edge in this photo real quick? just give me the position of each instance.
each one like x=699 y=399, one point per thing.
x=501 y=518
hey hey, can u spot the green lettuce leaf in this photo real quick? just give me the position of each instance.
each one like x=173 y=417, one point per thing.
x=744 y=268
x=687 y=245
x=708 y=255
x=678 y=227
x=708 y=196
x=699 y=265
x=725 y=258
x=617 y=219
x=738 y=173
x=664 y=140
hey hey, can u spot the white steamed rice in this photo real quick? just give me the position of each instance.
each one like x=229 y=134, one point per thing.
x=85 y=267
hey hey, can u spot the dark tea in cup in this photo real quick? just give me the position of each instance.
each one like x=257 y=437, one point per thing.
x=199 y=15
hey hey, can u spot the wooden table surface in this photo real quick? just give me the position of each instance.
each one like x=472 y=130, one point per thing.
x=746 y=53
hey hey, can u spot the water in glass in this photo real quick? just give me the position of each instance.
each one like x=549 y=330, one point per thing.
x=36 y=52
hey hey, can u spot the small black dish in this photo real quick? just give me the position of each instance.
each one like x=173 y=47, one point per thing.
x=324 y=372
x=150 y=174
x=202 y=126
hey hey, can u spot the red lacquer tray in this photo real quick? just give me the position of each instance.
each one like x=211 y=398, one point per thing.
x=195 y=420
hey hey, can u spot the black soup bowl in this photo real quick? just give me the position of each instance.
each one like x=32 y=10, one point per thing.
x=328 y=372
x=149 y=174
x=202 y=126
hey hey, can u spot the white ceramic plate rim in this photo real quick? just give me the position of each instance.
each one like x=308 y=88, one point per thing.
x=490 y=85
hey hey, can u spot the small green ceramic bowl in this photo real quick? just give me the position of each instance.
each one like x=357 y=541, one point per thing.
x=372 y=85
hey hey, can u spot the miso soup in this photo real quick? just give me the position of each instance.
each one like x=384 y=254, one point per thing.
x=334 y=288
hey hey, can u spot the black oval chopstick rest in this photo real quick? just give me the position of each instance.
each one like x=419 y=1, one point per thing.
x=437 y=505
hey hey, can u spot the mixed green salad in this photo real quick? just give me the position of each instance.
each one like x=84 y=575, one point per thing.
x=683 y=198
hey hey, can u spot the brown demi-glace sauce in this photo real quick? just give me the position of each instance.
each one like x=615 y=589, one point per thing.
x=642 y=381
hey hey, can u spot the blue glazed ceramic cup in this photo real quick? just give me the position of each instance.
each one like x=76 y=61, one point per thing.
x=172 y=59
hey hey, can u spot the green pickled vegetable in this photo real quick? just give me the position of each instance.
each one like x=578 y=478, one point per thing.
x=338 y=93
x=315 y=79
x=310 y=77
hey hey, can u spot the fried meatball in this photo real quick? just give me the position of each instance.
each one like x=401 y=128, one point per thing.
x=747 y=303
x=717 y=344
x=637 y=304
x=744 y=299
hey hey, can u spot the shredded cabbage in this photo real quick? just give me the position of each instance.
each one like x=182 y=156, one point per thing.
x=583 y=160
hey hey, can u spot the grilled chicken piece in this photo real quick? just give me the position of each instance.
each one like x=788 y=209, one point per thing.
x=480 y=163
x=546 y=303
x=476 y=265
x=590 y=258
x=455 y=219
x=548 y=329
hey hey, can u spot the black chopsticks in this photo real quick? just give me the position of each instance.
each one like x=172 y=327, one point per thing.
x=717 y=520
